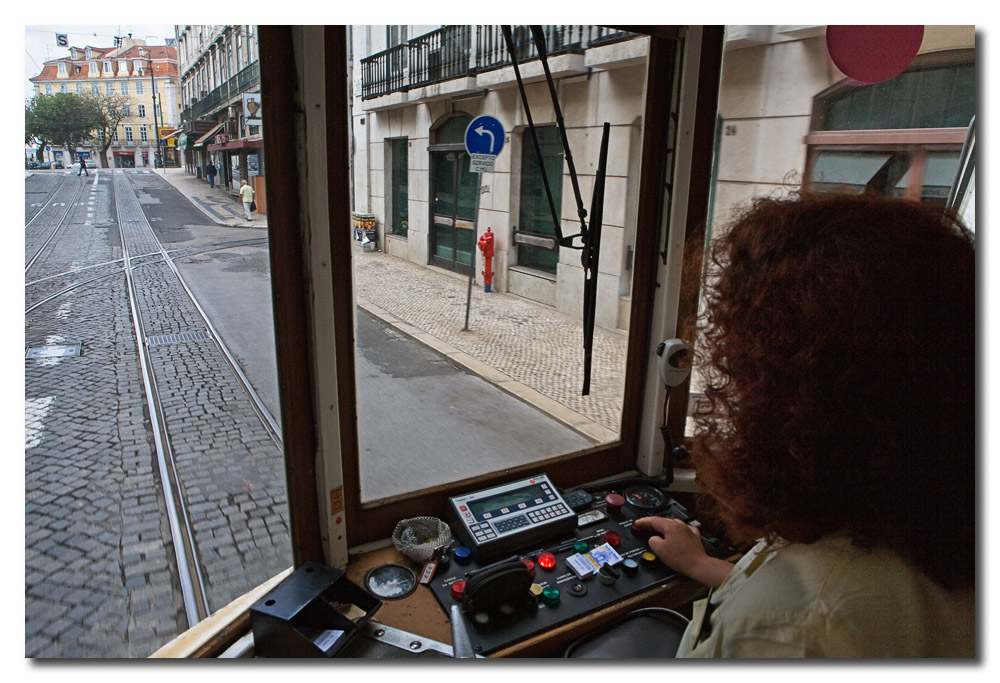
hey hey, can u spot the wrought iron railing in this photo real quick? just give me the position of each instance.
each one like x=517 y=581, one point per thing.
x=246 y=79
x=448 y=53
x=439 y=55
x=492 y=52
x=385 y=72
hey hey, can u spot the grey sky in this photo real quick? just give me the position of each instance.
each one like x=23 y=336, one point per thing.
x=40 y=41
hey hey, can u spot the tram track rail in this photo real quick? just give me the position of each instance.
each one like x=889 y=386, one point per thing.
x=43 y=205
x=118 y=270
x=189 y=506
x=60 y=224
x=189 y=573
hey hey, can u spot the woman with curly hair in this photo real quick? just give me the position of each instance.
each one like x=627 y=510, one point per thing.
x=838 y=350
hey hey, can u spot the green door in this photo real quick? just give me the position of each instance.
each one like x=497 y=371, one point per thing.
x=453 y=210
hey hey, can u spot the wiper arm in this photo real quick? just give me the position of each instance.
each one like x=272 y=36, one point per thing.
x=590 y=239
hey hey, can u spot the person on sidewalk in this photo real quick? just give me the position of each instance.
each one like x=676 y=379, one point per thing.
x=246 y=194
x=210 y=171
x=83 y=167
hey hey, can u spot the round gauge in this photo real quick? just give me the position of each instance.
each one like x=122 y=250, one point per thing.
x=645 y=497
x=390 y=581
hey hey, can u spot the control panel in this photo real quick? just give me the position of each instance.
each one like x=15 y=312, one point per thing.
x=577 y=568
x=509 y=518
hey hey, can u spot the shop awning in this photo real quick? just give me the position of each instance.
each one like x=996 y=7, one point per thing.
x=236 y=144
x=204 y=138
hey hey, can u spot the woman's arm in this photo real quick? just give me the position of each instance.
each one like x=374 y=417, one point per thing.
x=678 y=545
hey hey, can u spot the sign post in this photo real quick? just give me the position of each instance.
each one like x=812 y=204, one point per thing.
x=484 y=138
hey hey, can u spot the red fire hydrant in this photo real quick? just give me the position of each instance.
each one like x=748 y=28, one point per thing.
x=486 y=246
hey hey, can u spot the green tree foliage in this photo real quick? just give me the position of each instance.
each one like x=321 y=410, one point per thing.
x=63 y=118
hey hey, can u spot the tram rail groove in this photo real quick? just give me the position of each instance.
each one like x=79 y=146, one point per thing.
x=70 y=206
x=43 y=205
x=188 y=567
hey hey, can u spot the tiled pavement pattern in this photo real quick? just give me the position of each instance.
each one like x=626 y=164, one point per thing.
x=536 y=346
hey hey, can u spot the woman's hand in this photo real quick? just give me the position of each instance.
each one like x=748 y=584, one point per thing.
x=678 y=545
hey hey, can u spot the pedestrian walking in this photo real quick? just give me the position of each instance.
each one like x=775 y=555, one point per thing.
x=210 y=171
x=246 y=194
x=83 y=167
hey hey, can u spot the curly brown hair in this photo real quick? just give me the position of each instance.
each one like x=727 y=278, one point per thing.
x=838 y=350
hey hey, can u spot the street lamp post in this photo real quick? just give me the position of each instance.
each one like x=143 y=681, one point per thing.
x=158 y=157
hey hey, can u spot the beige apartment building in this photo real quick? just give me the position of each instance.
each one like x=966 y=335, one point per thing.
x=788 y=119
x=146 y=75
x=220 y=99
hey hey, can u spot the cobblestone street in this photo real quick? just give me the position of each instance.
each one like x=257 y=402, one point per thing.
x=100 y=570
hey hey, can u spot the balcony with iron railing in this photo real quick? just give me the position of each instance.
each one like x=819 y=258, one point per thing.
x=242 y=82
x=449 y=53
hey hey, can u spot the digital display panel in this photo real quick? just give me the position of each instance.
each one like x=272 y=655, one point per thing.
x=507 y=500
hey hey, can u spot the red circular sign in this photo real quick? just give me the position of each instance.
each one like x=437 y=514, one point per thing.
x=872 y=54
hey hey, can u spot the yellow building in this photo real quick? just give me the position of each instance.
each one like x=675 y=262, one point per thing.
x=145 y=75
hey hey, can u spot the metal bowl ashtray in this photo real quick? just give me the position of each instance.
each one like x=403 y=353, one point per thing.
x=419 y=537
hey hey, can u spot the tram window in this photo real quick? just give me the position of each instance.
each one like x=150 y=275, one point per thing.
x=444 y=398
x=383 y=482
x=901 y=138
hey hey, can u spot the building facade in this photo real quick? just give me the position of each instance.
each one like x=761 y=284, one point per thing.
x=220 y=98
x=415 y=96
x=788 y=120
x=145 y=75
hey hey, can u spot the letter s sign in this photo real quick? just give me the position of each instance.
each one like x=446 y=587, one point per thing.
x=62 y=40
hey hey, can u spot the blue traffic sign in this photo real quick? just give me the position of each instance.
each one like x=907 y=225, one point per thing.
x=484 y=136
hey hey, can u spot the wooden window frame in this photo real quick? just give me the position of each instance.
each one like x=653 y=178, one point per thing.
x=301 y=411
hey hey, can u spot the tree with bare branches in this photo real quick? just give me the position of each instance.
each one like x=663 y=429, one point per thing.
x=110 y=110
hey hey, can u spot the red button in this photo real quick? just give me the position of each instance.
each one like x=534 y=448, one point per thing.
x=530 y=565
x=458 y=590
x=613 y=538
x=546 y=560
x=614 y=502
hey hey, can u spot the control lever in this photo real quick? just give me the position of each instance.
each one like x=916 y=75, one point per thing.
x=461 y=643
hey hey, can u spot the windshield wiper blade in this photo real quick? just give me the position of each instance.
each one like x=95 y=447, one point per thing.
x=590 y=238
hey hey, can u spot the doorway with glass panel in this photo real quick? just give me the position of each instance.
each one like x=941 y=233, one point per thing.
x=453 y=198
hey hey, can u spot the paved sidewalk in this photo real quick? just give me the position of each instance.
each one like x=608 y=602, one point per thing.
x=526 y=349
x=218 y=203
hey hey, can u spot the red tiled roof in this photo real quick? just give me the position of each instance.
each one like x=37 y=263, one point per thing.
x=164 y=63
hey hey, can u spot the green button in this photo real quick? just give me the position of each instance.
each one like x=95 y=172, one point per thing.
x=581 y=547
x=550 y=596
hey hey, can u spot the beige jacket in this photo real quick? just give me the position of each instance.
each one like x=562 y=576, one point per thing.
x=830 y=599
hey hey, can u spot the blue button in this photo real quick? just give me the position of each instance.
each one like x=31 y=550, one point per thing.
x=463 y=555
